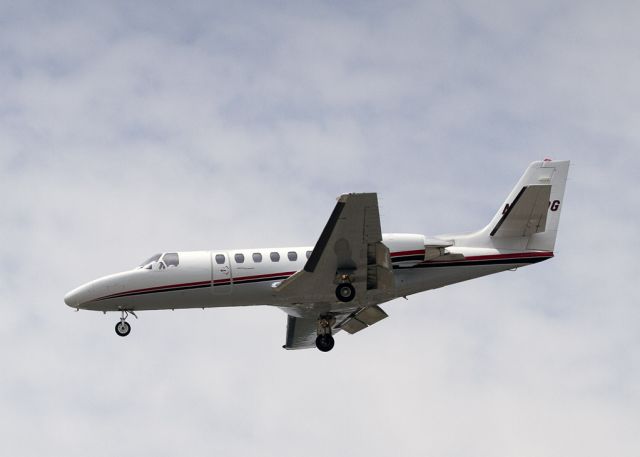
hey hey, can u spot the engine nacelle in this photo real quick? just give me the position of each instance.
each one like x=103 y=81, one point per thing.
x=407 y=249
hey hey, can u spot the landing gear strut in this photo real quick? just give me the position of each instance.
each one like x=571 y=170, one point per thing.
x=123 y=328
x=324 y=340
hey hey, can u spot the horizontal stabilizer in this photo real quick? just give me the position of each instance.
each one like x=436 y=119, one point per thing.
x=527 y=214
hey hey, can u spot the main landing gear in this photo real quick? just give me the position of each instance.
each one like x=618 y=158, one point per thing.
x=345 y=292
x=324 y=340
x=123 y=328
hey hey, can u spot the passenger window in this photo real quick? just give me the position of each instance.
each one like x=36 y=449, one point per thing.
x=275 y=257
x=293 y=256
x=219 y=259
x=257 y=257
x=171 y=259
x=239 y=258
x=309 y=254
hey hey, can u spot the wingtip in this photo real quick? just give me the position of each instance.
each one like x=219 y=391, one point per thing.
x=343 y=197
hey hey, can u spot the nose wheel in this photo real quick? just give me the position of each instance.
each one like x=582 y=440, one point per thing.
x=123 y=328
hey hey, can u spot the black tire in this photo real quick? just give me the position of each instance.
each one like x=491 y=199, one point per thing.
x=345 y=292
x=325 y=343
x=123 y=328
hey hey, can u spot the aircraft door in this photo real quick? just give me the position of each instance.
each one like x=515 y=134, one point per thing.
x=221 y=268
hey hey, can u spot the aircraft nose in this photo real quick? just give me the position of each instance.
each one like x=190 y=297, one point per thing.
x=84 y=296
x=71 y=299
x=76 y=297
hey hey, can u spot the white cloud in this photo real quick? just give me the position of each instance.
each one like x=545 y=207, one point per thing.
x=127 y=129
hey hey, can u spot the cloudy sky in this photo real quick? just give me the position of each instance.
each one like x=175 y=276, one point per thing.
x=128 y=128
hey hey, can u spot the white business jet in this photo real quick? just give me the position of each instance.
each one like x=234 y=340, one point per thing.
x=339 y=283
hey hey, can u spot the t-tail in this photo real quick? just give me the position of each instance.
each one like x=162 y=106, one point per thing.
x=528 y=219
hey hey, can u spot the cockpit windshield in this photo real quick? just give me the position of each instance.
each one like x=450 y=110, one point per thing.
x=154 y=258
x=161 y=261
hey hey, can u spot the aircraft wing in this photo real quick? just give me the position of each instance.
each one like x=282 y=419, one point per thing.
x=350 y=249
x=302 y=331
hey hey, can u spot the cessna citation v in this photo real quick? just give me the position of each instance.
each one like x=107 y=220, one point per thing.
x=339 y=283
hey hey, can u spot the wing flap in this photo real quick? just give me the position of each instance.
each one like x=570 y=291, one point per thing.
x=363 y=318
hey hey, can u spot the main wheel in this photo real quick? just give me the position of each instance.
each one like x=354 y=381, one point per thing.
x=345 y=292
x=123 y=328
x=325 y=342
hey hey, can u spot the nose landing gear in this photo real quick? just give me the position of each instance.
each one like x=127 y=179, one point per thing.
x=123 y=328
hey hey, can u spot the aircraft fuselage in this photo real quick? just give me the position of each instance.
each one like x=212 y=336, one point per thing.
x=205 y=279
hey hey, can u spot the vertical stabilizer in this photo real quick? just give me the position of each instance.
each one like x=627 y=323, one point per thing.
x=546 y=241
x=529 y=217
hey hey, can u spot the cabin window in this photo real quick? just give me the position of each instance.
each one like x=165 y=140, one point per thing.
x=275 y=257
x=171 y=259
x=292 y=255
x=257 y=257
x=220 y=259
x=239 y=258
x=309 y=254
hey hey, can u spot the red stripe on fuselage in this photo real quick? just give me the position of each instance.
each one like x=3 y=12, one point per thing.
x=514 y=256
x=396 y=254
x=269 y=275
x=168 y=287
x=158 y=288
x=517 y=255
x=240 y=279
